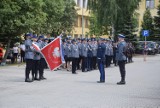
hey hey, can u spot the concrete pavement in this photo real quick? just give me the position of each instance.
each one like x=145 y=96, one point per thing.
x=65 y=90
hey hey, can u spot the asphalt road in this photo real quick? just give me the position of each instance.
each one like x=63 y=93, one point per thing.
x=65 y=90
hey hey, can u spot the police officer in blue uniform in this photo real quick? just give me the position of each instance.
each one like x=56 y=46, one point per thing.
x=84 y=49
x=75 y=56
x=68 y=55
x=64 y=46
x=29 y=55
x=110 y=55
x=36 y=60
x=107 y=53
x=42 y=60
x=94 y=52
x=101 y=59
x=80 y=54
x=89 y=56
x=121 y=58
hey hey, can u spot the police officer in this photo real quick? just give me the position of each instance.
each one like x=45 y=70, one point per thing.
x=101 y=59
x=84 y=55
x=121 y=58
x=110 y=54
x=80 y=54
x=94 y=52
x=68 y=55
x=114 y=53
x=29 y=54
x=75 y=55
x=89 y=56
x=64 y=46
x=42 y=60
x=46 y=41
x=107 y=53
x=36 y=60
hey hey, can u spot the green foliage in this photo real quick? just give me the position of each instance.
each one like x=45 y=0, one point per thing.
x=115 y=13
x=61 y=16
x=147 y=24
x=157 y=25
x=69 y=16
x=95 y=28
x=37 y=16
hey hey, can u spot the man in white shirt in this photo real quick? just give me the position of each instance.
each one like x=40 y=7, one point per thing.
x=15 y=52
x=22 y=52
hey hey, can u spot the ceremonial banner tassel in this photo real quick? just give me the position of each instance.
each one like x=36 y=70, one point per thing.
x=52 y=53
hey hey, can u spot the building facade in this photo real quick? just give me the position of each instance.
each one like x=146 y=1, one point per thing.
x=152 y=5
x=81 y=27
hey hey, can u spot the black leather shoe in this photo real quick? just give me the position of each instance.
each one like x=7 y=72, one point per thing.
x=74 y=73
x=37 y=79
x=43 y=78
x=121 y=83
x=28 y=80
x=100 y=81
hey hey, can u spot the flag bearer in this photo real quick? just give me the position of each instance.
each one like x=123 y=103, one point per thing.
x=42 y=60
x=29 y=55
x=36 y=61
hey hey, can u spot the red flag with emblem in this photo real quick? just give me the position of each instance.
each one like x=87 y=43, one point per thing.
x=52 y=54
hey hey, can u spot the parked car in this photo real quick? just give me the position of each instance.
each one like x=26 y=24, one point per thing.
x=151 y=47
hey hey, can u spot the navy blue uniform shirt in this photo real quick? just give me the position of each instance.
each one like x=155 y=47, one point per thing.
x=101 y=51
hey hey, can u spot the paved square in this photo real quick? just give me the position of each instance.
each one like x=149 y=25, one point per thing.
x=65 y=90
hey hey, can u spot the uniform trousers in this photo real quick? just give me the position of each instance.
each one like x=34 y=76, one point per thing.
x=121 y=65
x=101 y=69
x=41 y=67
x=84 y=63
x=35 y=69
x=29 y=67
x=74 y=64
x=89 y=63
x=78 y=62
x=107 y=60
x=94 y=62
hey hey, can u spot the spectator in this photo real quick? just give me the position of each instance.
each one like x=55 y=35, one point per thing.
x=22 y=51
x=15 y=53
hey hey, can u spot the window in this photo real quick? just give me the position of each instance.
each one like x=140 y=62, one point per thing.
x=78 y=2
x=150 y=4
x=76 y=23
x=84 y=4
x=86 y=23
x=80 y=23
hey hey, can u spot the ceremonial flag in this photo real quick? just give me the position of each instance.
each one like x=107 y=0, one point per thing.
x=52 y=53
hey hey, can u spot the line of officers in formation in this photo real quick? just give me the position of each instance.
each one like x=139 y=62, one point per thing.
x=88 y=54
x=84 y=54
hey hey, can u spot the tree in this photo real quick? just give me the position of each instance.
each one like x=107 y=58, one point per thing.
x=147 y=24
x=18 y=17
x=113 y=13
x=157 y=25
x=129 y=27
x=94 y=27
x=69 y=16
x=54 y=10
x=61 y=15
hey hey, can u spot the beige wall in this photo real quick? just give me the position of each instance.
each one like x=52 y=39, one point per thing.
x=77 y=30
x=141 y=10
